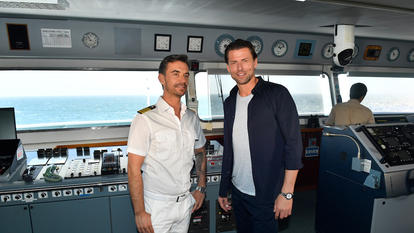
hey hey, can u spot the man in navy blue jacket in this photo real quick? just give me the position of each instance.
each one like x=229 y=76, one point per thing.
x=262 y=146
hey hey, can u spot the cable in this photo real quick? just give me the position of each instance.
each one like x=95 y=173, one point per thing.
x=219 y=87
x=344 y=135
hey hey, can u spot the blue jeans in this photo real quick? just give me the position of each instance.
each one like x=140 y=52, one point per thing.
x=252 y=216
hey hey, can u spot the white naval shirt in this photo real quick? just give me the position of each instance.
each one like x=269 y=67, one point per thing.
x=168 y=145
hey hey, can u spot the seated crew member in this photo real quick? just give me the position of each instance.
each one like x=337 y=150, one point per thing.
x=352 y=112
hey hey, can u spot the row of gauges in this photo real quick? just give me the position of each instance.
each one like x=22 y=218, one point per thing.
x=371 y=53
x=280 y=48
x=61 y=38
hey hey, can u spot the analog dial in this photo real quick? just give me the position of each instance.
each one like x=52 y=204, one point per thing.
x=279 y=48
x=162 y=42
x=393 y=54
x=257 y=43
x=328 y=50
x=195 y=44
x=221 y=44
x=355 y=52
x=411 y=55
x=90 y=40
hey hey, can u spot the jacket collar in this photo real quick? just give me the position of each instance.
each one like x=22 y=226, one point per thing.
x=256 y=89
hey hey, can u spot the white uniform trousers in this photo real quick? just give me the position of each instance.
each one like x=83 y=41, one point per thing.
x=169 y=214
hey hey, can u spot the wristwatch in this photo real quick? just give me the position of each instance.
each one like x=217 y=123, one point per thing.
x=288 y=196
x=201 y=189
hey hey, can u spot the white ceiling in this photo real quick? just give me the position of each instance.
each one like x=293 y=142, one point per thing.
x=385 y=18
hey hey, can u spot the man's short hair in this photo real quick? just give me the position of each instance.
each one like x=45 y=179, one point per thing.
x=172 y=58
x=358 y=90
x=239 y=44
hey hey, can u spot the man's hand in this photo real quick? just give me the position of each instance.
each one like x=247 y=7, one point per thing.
x=199 y=199
x=224 y=203
x=143 y=222
x=283 y=207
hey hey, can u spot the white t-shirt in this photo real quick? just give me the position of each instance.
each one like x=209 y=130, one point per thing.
x=242 y=177
x=168 y=144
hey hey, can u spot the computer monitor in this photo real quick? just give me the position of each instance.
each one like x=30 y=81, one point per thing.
x=7 y=124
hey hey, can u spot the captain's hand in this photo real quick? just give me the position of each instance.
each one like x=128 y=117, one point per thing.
x=199 y=199
x=282 y=207
x=143 y=222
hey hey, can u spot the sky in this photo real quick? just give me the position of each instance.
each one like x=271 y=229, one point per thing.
x=75 y=83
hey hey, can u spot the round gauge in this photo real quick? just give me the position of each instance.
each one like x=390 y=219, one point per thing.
x=90 y=40
x=393 y=54
x=328 y=50
x=279 y=48
x=221 y=44
x=411 y=55
x=355 y=52
x=257 y=43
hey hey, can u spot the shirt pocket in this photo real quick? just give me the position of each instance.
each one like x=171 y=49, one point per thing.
x=165 y=144
x=189 y=138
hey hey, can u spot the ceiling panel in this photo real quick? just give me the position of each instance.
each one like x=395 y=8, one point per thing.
x=385 y=20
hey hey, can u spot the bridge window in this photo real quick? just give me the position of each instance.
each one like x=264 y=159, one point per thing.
x=68 y=98
x=385 y=94
x=310 y=93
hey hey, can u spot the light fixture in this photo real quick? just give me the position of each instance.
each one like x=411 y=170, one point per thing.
x=35 y=4
x=33 y=1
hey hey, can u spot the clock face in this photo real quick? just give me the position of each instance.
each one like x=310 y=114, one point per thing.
x=221 y=44
x=162 y=42
x=90 y=40
x=257 y=44
x=411 y=55
x=328 y=50
x=355 y=52
x=195 y=44
x=279 y=48
x=393 y=54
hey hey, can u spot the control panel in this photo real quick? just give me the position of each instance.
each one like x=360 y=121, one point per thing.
x=394 y=142
x=55 y=176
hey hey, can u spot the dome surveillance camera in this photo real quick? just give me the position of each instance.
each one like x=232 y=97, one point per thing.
x=344 y=44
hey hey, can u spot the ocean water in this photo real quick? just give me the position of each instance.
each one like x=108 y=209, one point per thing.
x=64 y=110
x=52 y=109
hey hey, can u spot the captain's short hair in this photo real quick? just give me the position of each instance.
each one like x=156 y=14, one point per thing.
x=357 y=91
x=172 y=58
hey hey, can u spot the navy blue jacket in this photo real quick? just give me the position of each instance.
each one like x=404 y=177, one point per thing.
x=274 y=137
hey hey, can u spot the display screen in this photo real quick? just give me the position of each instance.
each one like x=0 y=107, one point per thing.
x=305 y=49
x=373 y=52
x=7 y=124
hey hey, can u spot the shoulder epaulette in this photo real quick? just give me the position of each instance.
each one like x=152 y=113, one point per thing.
x=144 y=110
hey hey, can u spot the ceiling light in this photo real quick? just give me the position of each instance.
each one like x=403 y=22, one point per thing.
x=33 y=1
x=35 y=4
